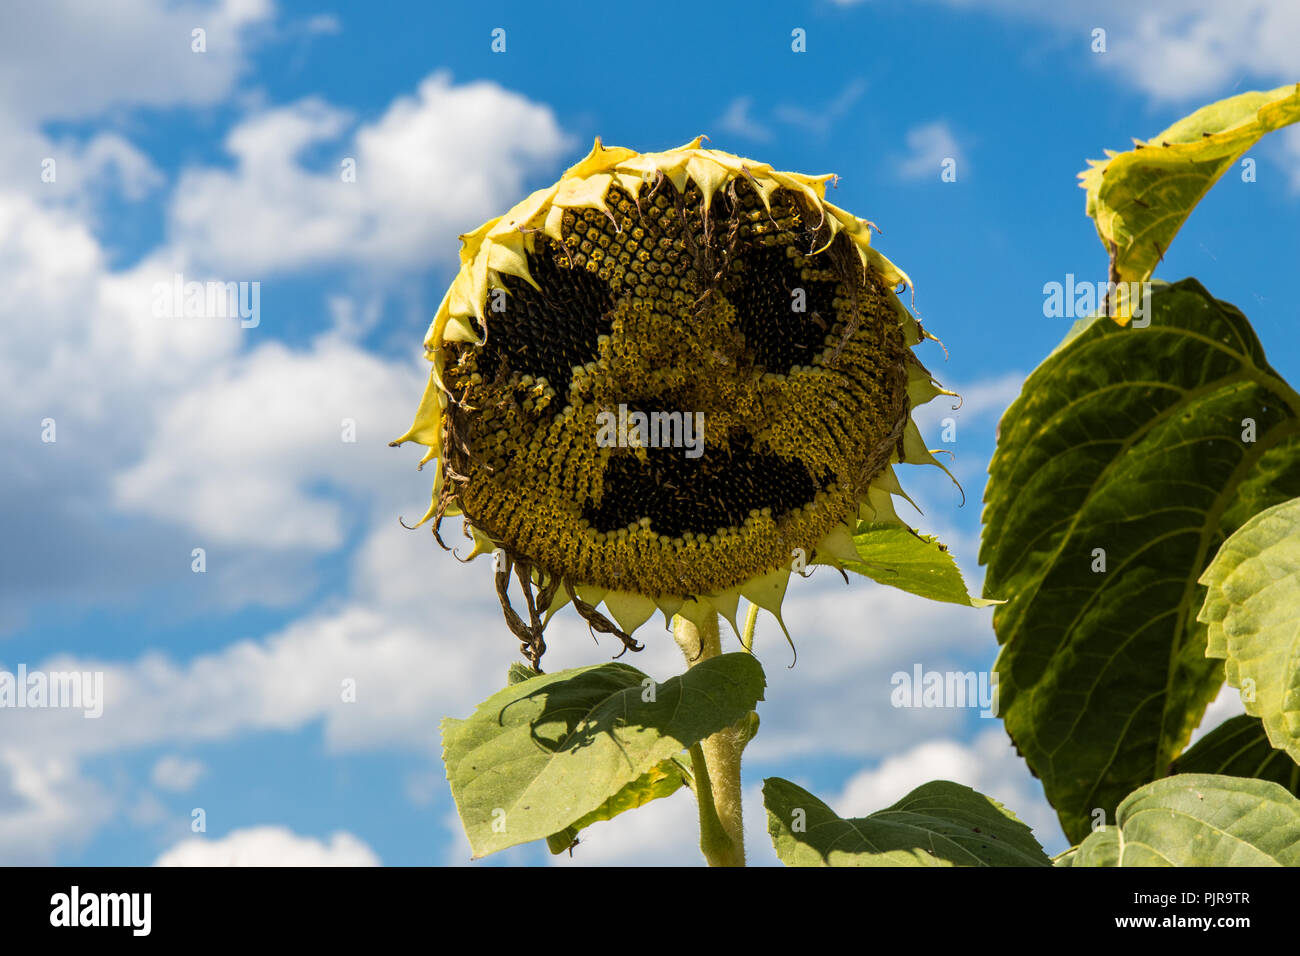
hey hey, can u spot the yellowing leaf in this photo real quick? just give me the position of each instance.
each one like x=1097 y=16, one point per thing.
x=1140 y=199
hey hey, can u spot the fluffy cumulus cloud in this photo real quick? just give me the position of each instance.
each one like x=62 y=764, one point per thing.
x=270 y=846
x=370 y=676
x=65 y=59
x=1175 y=50
x=85 y=372
x=415 y=184
x=250 y=456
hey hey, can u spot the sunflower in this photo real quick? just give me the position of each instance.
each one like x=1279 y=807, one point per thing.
x=668 y=381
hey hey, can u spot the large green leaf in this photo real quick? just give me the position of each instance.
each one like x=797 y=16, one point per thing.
x=1199 y=819
x=1129 y=441
x=1239 y=748
x=918 y=564
x=662 y=780
x=937 y=824
x=546 y=752
x=1140 y=199
x=1253 y=611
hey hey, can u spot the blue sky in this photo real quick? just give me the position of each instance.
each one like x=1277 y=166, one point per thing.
x=222 y=687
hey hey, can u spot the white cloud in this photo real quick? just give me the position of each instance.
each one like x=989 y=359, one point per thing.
x=821 y=120
x=79 y=174
x=988 y=764
x=1171 y=49
x=929 y=147
x=404 y=678
x=85 y=358
x=1177 y=50
x=737 y=120
x=435 y=165
x=269 y=846
x=109 y=156
x=65 y=59
x=97 y=354
x=420 y=638
x=45 y=805
x=177 y=773
x=255 y=454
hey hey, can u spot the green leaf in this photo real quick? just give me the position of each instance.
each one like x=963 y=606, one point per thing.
x=662 y=780
x=1253 y=611
x=519 y=672
x=1199 y=819
x=1140 y=199
x=937 y=824
x=1239 y=748
x=540 y=755
x=1128 y=440
x=904 y=559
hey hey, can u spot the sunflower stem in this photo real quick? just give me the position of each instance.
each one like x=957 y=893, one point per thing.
x=716 y=759
x=747 y=635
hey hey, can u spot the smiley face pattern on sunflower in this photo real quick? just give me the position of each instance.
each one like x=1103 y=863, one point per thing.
x=749 y=315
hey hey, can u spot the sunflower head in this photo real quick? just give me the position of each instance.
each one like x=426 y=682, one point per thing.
x=668 y=381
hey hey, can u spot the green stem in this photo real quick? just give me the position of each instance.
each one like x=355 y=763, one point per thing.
x=714 y=841
x=747 y=635
x=716 y=760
